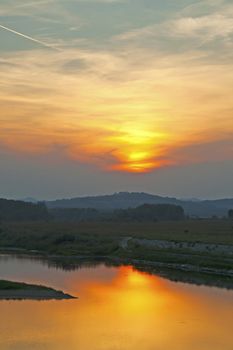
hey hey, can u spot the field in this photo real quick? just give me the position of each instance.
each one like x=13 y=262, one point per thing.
x=219 y=231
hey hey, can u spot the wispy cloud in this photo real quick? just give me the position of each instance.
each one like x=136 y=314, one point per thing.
x=206 y=28
x=130 y=106
x=14 y=8
x=128 y=111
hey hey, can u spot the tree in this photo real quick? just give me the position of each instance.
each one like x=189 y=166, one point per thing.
x=12 y=210
x=151 y=212
x=230 y=214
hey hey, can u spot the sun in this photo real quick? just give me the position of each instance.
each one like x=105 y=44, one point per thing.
x=137 y=149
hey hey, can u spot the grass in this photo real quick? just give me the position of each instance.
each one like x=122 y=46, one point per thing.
x=9 y=285
x=219 y=231
x=103 y=238
x=17 y=290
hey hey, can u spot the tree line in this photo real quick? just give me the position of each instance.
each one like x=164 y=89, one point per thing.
x=12 y=210
x=145 y=212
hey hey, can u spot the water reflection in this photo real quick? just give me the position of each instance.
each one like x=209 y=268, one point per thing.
x=119 y=308
x=72 y=264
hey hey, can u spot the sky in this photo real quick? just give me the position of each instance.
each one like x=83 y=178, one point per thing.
x=101 y=96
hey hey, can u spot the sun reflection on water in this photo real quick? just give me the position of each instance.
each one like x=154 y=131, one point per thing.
x=119 y=308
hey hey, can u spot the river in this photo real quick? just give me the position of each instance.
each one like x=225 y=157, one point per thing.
x=119 y=308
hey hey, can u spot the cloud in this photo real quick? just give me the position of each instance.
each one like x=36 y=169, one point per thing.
x=206 y=27
x=18 y=8
x=186 y=26
x=130 y=106
x=129 y=110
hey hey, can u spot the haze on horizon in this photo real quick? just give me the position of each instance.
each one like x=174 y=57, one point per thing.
x=101 y=96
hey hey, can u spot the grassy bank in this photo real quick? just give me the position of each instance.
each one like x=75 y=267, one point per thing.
x=219 y=231
x=204 y=246
x=16 y=290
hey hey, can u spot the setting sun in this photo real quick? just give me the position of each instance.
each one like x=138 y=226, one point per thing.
x=116 y=168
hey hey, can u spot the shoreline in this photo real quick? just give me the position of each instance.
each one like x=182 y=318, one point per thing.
x=10 y=290
x=186 y=273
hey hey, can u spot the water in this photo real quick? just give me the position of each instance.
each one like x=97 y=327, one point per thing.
x=118 y=308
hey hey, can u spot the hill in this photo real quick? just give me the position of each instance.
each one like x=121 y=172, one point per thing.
x=125 y=200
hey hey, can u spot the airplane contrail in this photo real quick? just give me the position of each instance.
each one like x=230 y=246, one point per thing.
x=29 y=38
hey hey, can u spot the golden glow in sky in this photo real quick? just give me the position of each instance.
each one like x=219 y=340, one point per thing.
x=132 y=105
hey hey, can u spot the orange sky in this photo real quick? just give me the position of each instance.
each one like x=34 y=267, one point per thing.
x=145 y=97
x=145 y=119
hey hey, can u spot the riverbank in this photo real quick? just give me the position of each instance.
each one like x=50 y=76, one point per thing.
x=197 y=251
x=175 y=272
x=15 y=290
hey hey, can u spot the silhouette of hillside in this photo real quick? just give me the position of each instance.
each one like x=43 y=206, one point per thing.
x=125 y=200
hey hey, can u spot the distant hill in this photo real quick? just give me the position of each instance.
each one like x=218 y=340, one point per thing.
x=125 y=200
x=29 y=199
